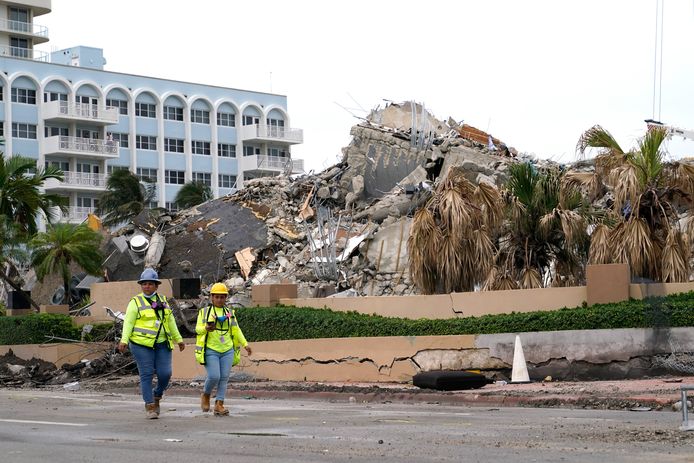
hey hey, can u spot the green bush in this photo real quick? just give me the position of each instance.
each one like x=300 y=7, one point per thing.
x=36 y=328
x=282 y=323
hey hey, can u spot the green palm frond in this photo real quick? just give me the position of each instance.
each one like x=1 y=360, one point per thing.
x=193 y=193
x=597 y=137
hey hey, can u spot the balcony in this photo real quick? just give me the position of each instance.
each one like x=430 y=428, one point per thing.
x=272 y=133
x=62 y=111
x=23 y=53
x=81 y=147
x=76 y=214
x=80 y=181
x=39 y=34
x=273 y=164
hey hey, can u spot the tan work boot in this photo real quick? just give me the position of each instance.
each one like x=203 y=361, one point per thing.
x=205 y=402
x=157 y=409
x=150 y=412
x=219 y=409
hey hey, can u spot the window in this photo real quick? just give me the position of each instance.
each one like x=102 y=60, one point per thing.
x=173 y=113
x=145 y=110
x=152 y=204
x=2 y=129
x=173 y=145
x=86 y=133
x=201 y=147
x=121 y=138
x=146 y=175
x=49 y=131
x=112 y=169
x=275 y=127
x=250 y=120
x=62 y=165
x=20 y=130
x=19 y=19
x=199 y=116
x=203 y=177
x=227 y=181
x=226 y=150
x=279 y=152
x=122 y=105
x=23 y=95
x=19 y=47
x=145 y=142
x=174 y=177
x=54 y=96
x=171 y=206
x=83 y=201
x=226 y=119
x=250 y=150
x=2 y=93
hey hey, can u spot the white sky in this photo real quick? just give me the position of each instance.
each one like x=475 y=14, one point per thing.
x=535 y=74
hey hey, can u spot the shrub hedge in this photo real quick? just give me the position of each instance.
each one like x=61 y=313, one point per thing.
x=282 y=323
x=285 y=323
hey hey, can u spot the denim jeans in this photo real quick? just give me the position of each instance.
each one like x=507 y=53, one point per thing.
x=150 y=361
x=218 y=366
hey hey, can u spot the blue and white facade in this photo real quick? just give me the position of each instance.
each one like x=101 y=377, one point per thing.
x=69 y=112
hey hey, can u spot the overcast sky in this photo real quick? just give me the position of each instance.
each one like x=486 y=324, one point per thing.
x=534 y=74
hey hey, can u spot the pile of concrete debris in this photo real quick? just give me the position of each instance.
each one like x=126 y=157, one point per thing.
x=17 y=372
x=342 y=231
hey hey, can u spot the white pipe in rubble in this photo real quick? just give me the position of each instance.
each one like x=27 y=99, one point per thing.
x=155 y=250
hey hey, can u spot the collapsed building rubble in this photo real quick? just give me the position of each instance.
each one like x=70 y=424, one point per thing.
x=343 y=230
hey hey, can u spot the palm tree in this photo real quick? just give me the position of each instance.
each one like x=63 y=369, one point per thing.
x=62 y=244
x=649 y=196
x=450 y=243
x=20 y=197
x=125 y=197
x=544 y=241
x=12 y=252
x=193 y=193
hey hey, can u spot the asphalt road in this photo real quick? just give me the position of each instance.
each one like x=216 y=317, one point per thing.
x=58 y=426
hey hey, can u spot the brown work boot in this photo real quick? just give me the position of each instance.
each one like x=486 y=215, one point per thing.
x=157 y=409
x=219 y=409
x=205 y=402
x=150 y=412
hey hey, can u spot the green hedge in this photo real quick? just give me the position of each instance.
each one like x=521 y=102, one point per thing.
x=32 y=329
x=281 y=323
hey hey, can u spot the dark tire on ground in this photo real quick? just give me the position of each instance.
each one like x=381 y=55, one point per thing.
x=447 y=380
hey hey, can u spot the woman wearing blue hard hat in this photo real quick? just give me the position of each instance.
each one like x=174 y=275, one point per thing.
x=150 y=330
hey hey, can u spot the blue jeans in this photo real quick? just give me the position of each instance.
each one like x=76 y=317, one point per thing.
x=218 y=366
x=150 y=361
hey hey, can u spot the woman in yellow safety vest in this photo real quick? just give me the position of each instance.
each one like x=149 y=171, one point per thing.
x=150 y=330
x=219 y=339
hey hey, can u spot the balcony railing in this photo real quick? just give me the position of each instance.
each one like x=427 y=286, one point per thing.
x=24 y=28
x=77 y=213
x=272 y=133
x=85 y=179
x=273 y=163
x=24 y=53
x=82 y=111
x=88 y=147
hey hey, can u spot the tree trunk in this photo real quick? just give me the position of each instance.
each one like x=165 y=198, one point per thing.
x=16 y=287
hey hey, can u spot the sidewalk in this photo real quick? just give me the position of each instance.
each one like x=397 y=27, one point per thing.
x=655 y=393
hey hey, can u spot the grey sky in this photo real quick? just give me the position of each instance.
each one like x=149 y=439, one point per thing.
x=533 y=73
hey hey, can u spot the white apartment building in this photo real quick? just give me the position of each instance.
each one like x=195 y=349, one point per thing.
x=64 y=109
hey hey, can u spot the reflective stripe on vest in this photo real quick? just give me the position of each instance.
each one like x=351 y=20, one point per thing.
x=145 y=331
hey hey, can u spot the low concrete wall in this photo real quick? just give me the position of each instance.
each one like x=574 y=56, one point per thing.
x=58 y=354
x=452 y=305
x=479 y=303
x=117 y=295
x=564 y=355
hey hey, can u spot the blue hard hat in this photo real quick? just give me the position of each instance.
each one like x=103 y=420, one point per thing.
x=149 y=274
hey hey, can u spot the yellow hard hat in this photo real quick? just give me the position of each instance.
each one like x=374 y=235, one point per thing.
x=219 y=288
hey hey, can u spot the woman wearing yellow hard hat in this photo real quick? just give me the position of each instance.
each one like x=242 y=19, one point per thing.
x=218 y=344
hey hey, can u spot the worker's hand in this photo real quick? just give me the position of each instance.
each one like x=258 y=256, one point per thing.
x=181 y=346
x=248 y=350
x=209 y=327
x=122 y=347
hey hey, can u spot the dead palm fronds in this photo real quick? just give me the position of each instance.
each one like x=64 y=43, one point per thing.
x=674 y=259
x=450 y=241
x=530 y=278
x=600 y=250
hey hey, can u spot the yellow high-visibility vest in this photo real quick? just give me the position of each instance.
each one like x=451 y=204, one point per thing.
x=147 y=325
